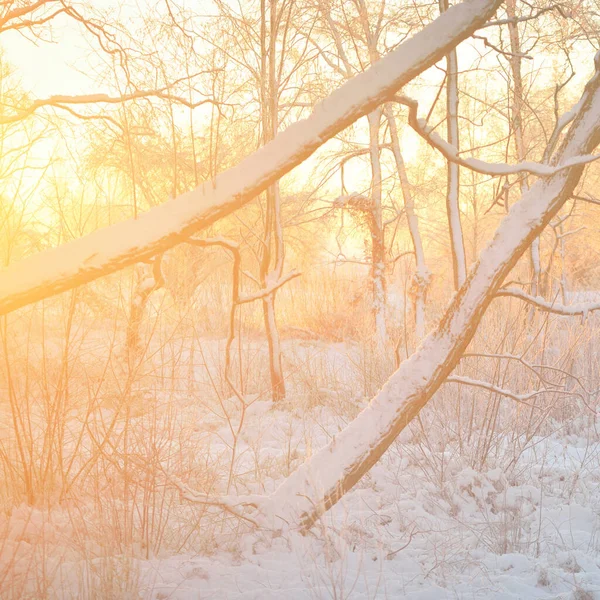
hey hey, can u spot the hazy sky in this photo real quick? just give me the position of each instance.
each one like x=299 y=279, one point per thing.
x=63 y=64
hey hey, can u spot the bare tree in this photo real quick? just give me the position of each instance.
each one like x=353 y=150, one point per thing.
x=322 y=481
x=364 y=31
x=422 y=275
x=518 y=102
x=272 y=248
x=318 y=485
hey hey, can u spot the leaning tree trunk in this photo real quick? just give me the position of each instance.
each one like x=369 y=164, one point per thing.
x=113 y=248
x=330 y=473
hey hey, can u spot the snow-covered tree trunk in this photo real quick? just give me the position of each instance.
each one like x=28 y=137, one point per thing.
x=322 y=481
x=563 y=258
x=457 y=243
x=377 y=232
x=374 y=208
x=422 y=275
x=113 y=248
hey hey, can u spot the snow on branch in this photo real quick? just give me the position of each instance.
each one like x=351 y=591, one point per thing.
x=113 y=248
x=237 y=506
x=538 y=370
x=573 y=310
x=270 y=288
x=480 y=166
x=520 y=398
x=561 y=123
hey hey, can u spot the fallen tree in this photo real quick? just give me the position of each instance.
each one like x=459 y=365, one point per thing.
x=110 y=249
x=320 y=482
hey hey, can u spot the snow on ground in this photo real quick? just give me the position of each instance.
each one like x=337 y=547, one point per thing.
x=409 y=530
x=435 y=519
x=480 y=536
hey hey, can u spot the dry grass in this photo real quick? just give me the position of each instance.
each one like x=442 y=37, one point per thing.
x=86 y=439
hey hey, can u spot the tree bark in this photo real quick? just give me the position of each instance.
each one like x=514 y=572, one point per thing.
x=378 y=283
x=422 y=276
x=272 y=243
x=517 y=124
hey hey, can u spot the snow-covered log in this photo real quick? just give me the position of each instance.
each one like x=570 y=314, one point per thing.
x=321 y=482
x=110 y=249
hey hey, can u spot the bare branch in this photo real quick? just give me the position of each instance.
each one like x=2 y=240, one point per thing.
x=507 y=21
x=64 y=101
x=589 y=199
x=573 y=310
x=234 y=505
x=216 y=241
x=496 y=170
x=520 y=398
x=488 y=44
x=270 y=288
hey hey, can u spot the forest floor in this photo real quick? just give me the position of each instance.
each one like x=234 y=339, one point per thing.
x=457 y=507
x=420 y=527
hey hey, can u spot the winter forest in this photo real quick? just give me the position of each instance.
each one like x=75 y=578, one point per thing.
x=299 y=299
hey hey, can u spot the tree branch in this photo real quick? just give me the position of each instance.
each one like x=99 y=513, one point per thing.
x=270 y=288
x=520 y=398
x=64 y=101
x=572 y=310
x=320 y=482
x=233 y=505
x=495 y=170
